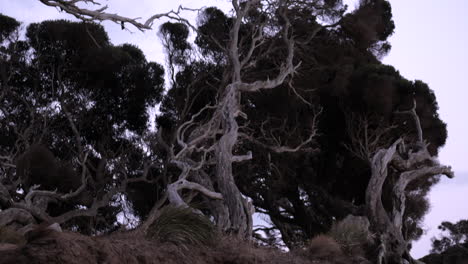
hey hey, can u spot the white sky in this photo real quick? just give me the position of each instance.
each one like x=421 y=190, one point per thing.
x=430 y=44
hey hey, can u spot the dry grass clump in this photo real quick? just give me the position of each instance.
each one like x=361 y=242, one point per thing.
x=181 y=226
x=10 y=236
x=352 y=234
x=234 y=250
x=323 y=247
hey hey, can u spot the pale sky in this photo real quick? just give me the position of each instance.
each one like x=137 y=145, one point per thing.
x=430 y=44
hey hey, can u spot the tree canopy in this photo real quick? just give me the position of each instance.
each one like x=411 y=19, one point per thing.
x=455 y=234
x=451 y=245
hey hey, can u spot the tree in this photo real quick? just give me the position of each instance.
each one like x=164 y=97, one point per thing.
x=451 y=246
x=457 y=236
x=69 y=98
x=283 y=107
x=290 y=200
x=217 y=136
x=409 y=165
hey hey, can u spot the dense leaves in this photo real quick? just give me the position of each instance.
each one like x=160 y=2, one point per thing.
x=9 y=25
x=451 y=246
x=69 y=96
x=455 y=234
x=304 y=192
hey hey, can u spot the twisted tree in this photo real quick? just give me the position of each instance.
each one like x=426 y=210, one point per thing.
x=408 y=163
x=69 y=98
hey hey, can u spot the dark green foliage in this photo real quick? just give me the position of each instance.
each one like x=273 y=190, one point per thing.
x=370 y=25
x=68 y=68
x=7 y=26
x=38 y=166
x=143 y=196
x=417 y=205
x=214 y=27
x=64 y=35
x=117 y=79
x=454 y=254
x=117 y=83
x=174 y=36
x=456 y=234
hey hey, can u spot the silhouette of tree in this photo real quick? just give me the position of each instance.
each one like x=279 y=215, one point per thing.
x=71 y=104
x=455 y=234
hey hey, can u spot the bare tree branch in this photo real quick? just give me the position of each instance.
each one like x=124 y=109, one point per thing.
x=365 y=139
x=417 y=121
x=99 y=14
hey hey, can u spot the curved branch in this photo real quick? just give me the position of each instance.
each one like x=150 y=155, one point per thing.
x=405 y=179
x=174 y=188
x=379 y=167
x=417 y=121
x=70 y=7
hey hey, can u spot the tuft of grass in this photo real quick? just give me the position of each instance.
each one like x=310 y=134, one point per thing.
x=9 y=235
x=181 y=226
x=323 y=247
x=352 y=233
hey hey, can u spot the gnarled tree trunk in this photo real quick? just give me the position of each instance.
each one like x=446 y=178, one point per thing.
x=239 y=217
x=408 y=166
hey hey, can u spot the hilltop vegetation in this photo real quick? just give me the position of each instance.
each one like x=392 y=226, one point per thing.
x=282 y=108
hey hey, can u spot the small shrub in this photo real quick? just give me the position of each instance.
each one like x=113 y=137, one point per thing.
x=181 y=226
x=9 y=235
x=352 y=233
x=323 y=247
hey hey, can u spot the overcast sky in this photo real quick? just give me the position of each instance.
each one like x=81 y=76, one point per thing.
x=430 y=44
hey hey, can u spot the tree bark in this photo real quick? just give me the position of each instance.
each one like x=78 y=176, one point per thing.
x=239 y=219
x=393 y=246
